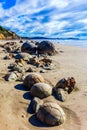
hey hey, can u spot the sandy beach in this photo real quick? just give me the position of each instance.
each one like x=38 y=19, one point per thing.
x=14 y=101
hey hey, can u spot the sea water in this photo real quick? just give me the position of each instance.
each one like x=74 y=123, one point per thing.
x=80 y=43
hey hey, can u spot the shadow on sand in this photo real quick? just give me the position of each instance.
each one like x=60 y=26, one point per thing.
x=20 y=87
x=34 y=121
x=27 y=96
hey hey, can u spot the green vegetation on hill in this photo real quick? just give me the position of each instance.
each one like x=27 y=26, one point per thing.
x=7 y=34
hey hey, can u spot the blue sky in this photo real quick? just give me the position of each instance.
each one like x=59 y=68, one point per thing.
x=47 y=18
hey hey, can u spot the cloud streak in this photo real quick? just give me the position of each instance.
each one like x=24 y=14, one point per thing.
x=56 y=18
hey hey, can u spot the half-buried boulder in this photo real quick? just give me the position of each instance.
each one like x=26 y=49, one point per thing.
x=31 y=79
x=41 y=90
x=51 y=114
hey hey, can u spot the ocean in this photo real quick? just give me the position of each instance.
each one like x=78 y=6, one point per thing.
x=80 y=43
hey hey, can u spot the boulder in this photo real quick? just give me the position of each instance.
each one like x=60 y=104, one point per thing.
x=66 y=84
x=46 y=47
x=51 y=114
x=28 y=47
x=61 y=84
x=31 y=79
x=41 y=90
x=71 y=84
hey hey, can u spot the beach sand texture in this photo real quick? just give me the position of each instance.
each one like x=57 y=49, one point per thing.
x=14 y=100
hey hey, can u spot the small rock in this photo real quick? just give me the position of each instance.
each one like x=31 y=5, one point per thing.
x=61 y=94
x=30 y=69
x=19 y=69
x=11 y=77
x=35 y=104
x=66 y=84
x=14 y=76
x=42 y=71
x=47 y=68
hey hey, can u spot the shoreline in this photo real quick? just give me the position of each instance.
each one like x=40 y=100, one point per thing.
x=75 y=43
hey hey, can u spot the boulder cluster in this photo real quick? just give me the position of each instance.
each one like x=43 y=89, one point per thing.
x=29 y=57
x=48 y=113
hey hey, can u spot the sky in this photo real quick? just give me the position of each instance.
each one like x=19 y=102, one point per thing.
x=45 y=18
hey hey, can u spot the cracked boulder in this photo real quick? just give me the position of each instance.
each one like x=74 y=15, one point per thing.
x=51 y=114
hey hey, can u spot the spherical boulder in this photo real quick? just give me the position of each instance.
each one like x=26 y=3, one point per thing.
x=41 y=90
x=51 y=114
x=31 y=79
x=46 y=47
x=28 y=47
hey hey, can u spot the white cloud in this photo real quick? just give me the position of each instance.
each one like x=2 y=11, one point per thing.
x=83 y=21
x=61 y=16
x=59 y=3
x=70 y=34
